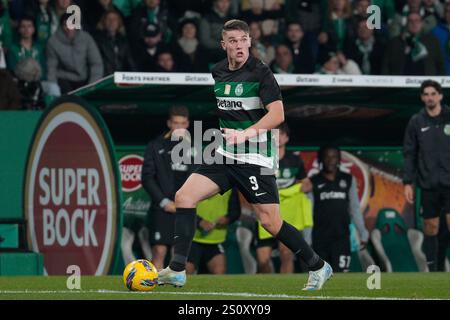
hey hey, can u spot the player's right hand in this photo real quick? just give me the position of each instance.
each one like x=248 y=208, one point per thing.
x=409 y=193
x=206 y=225
x=170 y=207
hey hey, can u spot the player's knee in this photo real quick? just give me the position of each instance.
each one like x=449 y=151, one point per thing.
x=184 y=200
x=431 y=228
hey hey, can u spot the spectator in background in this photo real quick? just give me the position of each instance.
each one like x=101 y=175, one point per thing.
x=429 y=16
x=192 y=56
x=150 y=12
x=165 y=62
x=434 y=12
x=94 y=10
x=442 y=33
x=5 y=33
x=9 y=93
x=366 y=50
x=283 y=60
x=335 y=62
x=211 y=28
x=70 y=70
x=413 y=53
x=60 y=7
x=28 y=73
x=308 y=13
x=266 y=12
x=26 y=46
x=337 y=24
x=113 y=44
x=45 y=18
x=146 y=58
x=304 y=59
x=260 y=49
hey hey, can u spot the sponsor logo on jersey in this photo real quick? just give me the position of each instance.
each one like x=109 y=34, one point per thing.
x=343 y=184
x=239 y=90
x=333 y=195
x=229 y=104
x=447 y=129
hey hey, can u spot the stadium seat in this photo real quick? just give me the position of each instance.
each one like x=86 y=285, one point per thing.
x=398 y=248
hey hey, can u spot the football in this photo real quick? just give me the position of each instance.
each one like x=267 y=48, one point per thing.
x=140 y=275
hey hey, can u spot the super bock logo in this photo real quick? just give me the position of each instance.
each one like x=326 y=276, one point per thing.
x=239 y=89
x=71 y=191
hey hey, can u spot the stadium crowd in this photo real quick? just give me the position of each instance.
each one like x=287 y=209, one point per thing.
x=40 y=57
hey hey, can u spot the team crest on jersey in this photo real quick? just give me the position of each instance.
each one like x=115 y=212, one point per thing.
x=343 y=184
x=447 y=129
x=239 y=89
x=287 y=173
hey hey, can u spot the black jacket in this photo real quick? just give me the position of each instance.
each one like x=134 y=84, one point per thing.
x=160 y=177
x=426 y=150
x=115 y=52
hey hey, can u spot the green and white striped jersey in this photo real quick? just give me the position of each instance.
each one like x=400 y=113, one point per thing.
x=242 y=96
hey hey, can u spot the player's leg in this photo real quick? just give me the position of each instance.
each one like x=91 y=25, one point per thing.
x=261 y=191
x=217 y=262
x=206 y=182
x=264 y=256
x=286 y=259
x=159 y=252
x=431 y=209
x=341 y=254
x=194 y=258
x=196 y=188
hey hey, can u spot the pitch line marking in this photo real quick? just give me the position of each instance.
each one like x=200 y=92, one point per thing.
x=200 y=293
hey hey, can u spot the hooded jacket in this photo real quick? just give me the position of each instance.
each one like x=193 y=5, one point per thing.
x=76 y=59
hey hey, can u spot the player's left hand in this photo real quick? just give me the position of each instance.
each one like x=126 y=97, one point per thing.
x=233 y=136
x=222 y=221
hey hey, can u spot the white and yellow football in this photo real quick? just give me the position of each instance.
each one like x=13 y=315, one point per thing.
x=140 y=275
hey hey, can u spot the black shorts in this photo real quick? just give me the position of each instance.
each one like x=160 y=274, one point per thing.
x=434 y=202
x=257 y=188
x=336 y=252
x=161 y=227
x=202 y=253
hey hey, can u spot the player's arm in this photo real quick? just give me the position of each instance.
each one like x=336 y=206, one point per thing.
x=355 y=212
x=410 y=147
x=270 y=95
x=272 y=119
x=149 y=182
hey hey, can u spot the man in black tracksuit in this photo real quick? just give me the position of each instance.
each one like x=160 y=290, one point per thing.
x=336 y=204
x=427 y=164
x=161 y=178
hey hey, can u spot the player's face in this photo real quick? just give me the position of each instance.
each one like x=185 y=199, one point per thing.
x=431 y=98
x=331 y=160
x=237 y=44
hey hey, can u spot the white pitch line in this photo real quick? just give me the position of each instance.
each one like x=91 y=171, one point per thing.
x=223 y=294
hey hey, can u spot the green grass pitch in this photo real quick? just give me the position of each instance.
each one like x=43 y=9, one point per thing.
x=235 y=287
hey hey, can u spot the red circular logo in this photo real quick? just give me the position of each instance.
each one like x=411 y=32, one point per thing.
x=130 y=171
x=70 y=198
